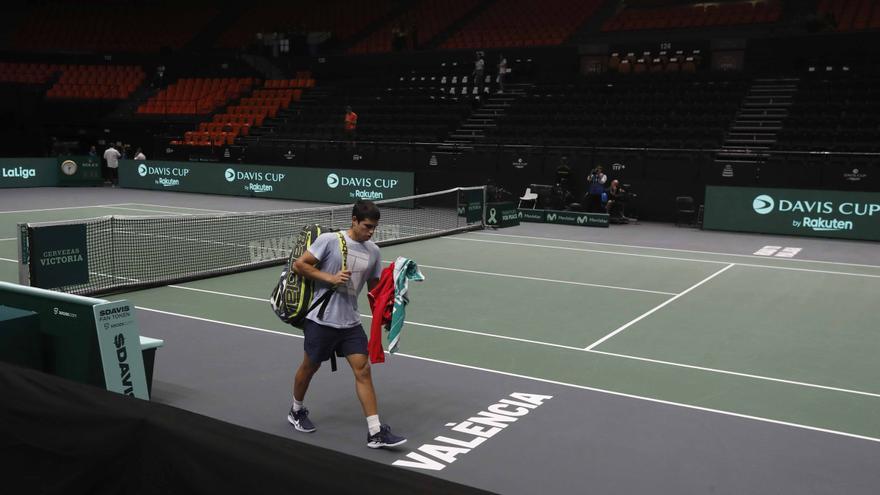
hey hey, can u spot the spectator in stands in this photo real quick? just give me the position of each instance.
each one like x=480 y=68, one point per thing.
x=159 y=80
x=502 y=72
x=139 y=155
x=413 y=34
x=112 y=156
x=563 y=173
x=350 y=125
x=595 y=188
x=93 y=153
x=315 y=38
x=479 y=69
x=124 y=148
x=398 y=38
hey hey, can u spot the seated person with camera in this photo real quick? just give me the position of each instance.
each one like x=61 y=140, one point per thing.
x=617 y=197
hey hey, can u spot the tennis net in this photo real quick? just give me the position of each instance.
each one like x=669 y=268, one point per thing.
x=119 y=253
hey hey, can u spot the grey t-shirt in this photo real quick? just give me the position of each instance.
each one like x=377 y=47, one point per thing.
x=365 y=264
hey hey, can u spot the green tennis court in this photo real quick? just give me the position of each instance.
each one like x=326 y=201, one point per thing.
x=789 y=342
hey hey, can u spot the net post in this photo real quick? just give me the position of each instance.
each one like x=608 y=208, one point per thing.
x=458 y=194
x=483 y=217
x=24 y=254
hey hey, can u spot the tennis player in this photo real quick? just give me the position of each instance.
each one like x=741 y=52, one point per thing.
x=340 y=328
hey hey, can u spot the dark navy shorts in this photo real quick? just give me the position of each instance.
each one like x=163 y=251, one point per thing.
x=321 y=341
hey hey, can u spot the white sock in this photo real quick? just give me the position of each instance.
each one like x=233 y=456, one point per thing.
x=373 y=424
x=297 y=405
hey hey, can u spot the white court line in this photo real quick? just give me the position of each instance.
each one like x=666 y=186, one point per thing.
x=583 y=250
x=178 y=207
x=150 y=211
x=579 y=349
x=9 y=239
x=239 y=296
x=808 y=270
x=553 y=382
x=670 y=249
x=493 y=274
x=7 y=259
x=770 y=267
x=657 y=308
x=737 y=373
x=64 y=208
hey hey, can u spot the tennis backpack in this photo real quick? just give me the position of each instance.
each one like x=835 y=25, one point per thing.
x=292 y=297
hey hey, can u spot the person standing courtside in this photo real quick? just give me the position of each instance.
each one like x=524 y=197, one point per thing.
x=112 y=156
x=340 y=328
x=595 y=188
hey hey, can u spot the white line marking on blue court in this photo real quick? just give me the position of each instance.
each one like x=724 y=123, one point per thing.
x=767 y=251
x=585 y=284
x=737 y=373
x=178 y=207
x=668 y=249
x=64 y=208
x=554 y=382
x=8 y=239
x=579 y=349
x=658 y=307
x=147 y=211
x=770 y=267
x=583 y=250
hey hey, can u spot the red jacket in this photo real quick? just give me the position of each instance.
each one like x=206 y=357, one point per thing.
x=381 y=304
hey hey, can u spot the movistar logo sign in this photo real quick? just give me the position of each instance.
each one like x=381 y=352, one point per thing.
x=332 y=181
x=763 y=204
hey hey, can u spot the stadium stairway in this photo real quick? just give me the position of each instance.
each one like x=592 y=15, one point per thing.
x=473 y=128
x=758 y=121
x=228 y=16
x=263 y=66
x=435 y=42
x=379 y=23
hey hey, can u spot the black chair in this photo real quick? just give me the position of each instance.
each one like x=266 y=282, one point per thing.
x=684 y=210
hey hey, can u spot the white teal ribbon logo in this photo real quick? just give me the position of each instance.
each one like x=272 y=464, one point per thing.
x=492 y=214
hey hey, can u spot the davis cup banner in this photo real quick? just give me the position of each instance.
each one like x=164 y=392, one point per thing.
x=804 y=212
x=307 y=184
